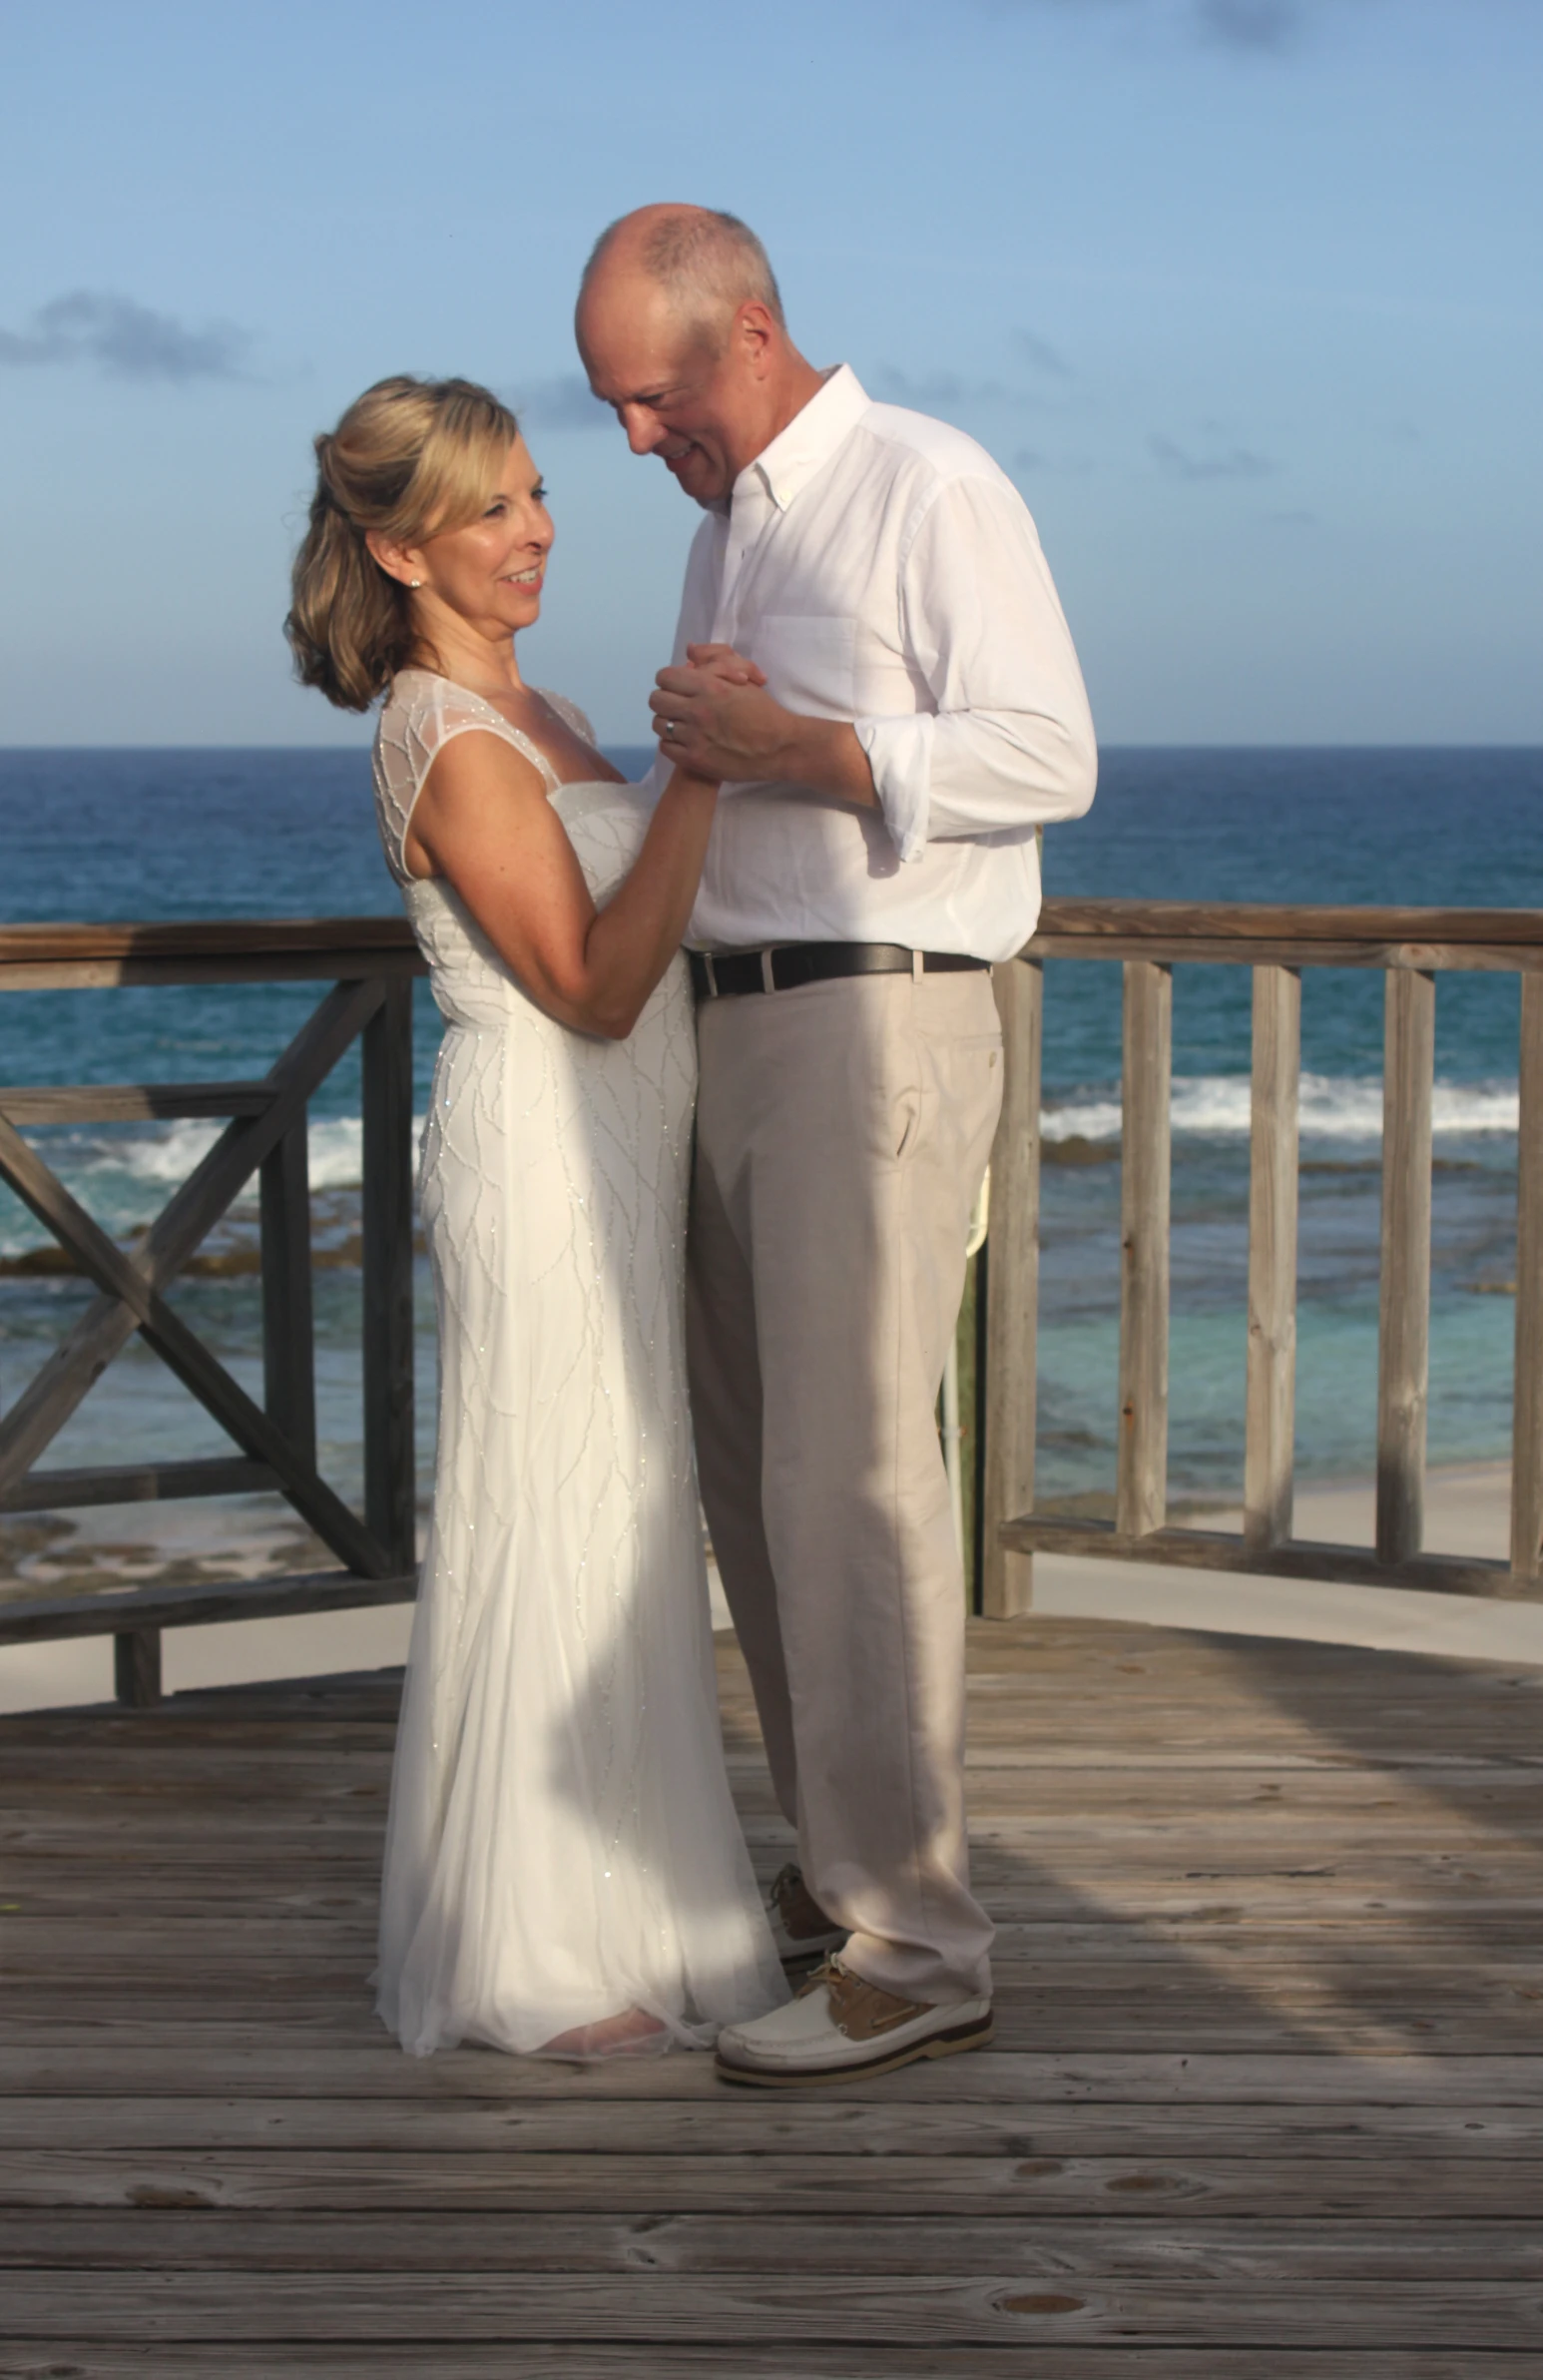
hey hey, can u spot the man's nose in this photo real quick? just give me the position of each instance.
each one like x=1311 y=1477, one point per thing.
x=643 y=428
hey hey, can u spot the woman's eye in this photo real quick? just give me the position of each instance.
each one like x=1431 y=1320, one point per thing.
x=539 y=492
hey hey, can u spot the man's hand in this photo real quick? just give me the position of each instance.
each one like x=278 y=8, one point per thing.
x=714 y=716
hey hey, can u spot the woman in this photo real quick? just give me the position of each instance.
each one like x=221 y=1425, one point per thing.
x=564 y=1870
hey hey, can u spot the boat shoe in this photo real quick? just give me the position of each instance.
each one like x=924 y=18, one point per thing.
x=839 y=2026
x=799 y=1927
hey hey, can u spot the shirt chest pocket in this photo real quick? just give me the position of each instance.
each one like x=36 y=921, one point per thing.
x=809 y=661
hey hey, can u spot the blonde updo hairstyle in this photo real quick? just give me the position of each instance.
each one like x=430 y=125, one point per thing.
x=408 y=459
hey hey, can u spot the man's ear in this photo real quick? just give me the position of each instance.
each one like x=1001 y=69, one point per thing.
x=756 y=332
x=401 y=562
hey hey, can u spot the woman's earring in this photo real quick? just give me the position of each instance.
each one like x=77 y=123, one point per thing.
x=414 y=582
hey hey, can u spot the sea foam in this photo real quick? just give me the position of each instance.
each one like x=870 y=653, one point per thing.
x=1332 y=1107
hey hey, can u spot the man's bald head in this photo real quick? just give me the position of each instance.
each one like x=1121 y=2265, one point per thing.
x=707 y=264
x=679 y=324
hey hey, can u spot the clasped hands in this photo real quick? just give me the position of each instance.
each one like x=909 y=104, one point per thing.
x=714 y=717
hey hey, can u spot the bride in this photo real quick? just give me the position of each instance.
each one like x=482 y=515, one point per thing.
x=564 y=1870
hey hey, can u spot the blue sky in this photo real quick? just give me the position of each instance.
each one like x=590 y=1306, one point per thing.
x=1245 y=295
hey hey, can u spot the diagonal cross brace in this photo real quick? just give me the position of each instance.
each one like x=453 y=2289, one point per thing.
x=132 y=1284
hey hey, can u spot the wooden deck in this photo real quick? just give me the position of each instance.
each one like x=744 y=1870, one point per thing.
x=1266 y=2099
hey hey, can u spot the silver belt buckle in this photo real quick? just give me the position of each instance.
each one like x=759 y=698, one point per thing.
x=711 y=974
x=768 y=980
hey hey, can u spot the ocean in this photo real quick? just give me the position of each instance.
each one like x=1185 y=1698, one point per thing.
x=187 y=834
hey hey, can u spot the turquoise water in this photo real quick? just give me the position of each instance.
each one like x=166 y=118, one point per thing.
x=224 y=834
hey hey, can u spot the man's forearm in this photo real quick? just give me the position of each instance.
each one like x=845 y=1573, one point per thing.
x=825 y=754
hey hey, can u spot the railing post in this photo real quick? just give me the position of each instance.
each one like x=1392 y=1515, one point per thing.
x=1141 y=1485
x=1403 y=1340
x=288 y=1332
x=1527 y=1418
x=137 y=1668
x=1271 y=1397
x=389 y=1488
x=1012 y=1291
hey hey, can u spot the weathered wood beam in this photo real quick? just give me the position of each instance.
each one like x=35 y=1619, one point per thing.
x=1012 y=1290
x=45 y=1619
x=1269 y=920
x=137 y=1667
x=1271 y=1391
x=1403 y=1327
x=130 y=1102
x=390 y=1500
x=288 y=1330
x=210 y=950
x=1304 y=1558
x=1527 y=1418
x=1141 y=1487
x=1298 y=951
x=136 y=1484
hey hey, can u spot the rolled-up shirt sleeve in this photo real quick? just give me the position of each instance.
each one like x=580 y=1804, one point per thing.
x=1010 y=742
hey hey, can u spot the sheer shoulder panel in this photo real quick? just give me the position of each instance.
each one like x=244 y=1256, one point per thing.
x=422 y=713
x=571 y=715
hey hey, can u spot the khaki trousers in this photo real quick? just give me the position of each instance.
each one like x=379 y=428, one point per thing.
x=842 y=1133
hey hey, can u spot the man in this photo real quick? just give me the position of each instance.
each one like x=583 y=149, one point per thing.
x=874 y=852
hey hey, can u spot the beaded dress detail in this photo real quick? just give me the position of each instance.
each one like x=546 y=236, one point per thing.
x=562 y=1845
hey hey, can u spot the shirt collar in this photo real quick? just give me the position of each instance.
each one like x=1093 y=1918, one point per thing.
x=811 y=438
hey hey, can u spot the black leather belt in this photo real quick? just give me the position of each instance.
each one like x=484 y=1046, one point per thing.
x=730 y=973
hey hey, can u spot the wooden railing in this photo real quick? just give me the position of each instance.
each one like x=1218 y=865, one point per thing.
x=369 y=962
x=1151 y=937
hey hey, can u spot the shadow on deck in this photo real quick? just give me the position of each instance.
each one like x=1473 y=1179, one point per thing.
x=1266 y=2097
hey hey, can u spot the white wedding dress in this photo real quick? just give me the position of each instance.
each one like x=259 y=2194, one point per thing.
x=562 y=1846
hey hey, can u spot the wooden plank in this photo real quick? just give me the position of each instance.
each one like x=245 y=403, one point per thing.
x=728 y=2124
x=438 y=2243
x=1290 y=951
x=288 y=1332
x=321 y=967
x=1256 y=921
x=1393 y=2188
x=1141 y=1485
x=1271 y=1389
x=135 y=1482
x=390 y=1500
x=128 y=1102
x=47 y=1620
x=212 y=937
x=1303 y=1557
x=61 y=2057
x=89 y=2359
x=1527 y=1421
x=1012 y=1290
x=666 y=2307
x=1404 y=1331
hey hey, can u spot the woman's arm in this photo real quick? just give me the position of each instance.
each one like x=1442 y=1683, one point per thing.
x=485 y=824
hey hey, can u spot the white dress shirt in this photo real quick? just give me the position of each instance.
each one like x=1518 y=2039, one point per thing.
x=880 y=568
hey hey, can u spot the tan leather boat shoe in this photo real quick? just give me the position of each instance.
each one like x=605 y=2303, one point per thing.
x=839 y=2026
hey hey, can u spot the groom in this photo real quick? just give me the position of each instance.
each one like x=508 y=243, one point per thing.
x=873 y=854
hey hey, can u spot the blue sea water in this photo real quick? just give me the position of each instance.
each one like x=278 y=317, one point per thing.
x=183 y=834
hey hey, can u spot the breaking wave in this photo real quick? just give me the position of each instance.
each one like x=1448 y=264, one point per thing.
x=1333 y=1107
